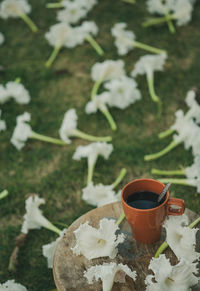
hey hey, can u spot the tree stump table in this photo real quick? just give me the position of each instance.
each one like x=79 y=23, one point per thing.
x=68 y=268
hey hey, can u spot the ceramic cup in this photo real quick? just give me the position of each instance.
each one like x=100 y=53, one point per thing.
x=146 y=224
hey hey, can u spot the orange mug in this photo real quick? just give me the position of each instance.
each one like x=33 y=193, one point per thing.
x=146 y=224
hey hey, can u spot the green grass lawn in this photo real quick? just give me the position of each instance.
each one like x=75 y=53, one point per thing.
x=48 y=169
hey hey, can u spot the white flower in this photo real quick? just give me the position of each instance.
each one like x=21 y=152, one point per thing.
x=124 y=39
x=2 y=38
x=18 y=92
x=109 y=273
x=182 y=11
x=98 y=102
x=194 y=107
x=3 y=95
x=122 y=92
x=34 y=219
x=187 y=131
x=92 y=151
x=107 y=70
x=148 y=64
x=2 y=123
x=22 y=131
x=14 y=8
x=69 y=125
x=95 y=243
x=61 y=34
x=10 y=285
x=181 y=238
x=193 y=172
x=72 y=13
x=159 y=6
x=99 y=195
x=86 y=29
x=170 y=278
x=49 y=249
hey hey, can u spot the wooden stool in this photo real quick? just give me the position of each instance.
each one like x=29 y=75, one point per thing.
x=68 y=268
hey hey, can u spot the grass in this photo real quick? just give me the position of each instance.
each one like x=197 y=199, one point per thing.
x=48 y=169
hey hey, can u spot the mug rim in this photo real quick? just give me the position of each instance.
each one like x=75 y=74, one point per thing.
x=142 y=210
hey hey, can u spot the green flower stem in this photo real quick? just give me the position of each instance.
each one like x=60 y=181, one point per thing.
x=183 y=182
x=154 y=97
x=148 y=48
x=47 y=139
x=54 y=5
x=165 y=245
x=3 y=194
x=91 y=167
x=158 y=20
x=119 y=178
x=166 y=133
x=52 y=57
x=18 y=80
x=95 y=88
x=168 y=173
x=95 y=45
x=120 y=219
x=53 y=228
x=28 y=21
x=170 y=24
x=129 y=1
x=166 y=150
x=109 y=117
x=80 y=134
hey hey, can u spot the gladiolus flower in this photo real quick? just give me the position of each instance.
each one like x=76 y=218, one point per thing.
x=10 y=285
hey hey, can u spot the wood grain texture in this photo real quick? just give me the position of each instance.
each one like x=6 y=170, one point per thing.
x=68 y=268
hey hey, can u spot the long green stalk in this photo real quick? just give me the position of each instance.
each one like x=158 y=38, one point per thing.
x=95 y=88
x=168 y=173
x=165 y=245
x=52 y=57
x=119 y=178
x=29 y=22
x=148 y=48
x=95 y=45
x=183 y=182
x=47 y=139
x=120 y=219
x=166 y=150
x=54 y=5
x=3 y=194
x=80 y=134
x=109 y=117
x=166 y=133
x=154 y=97
x=170 y=24
x=91 y=167
x=158 y=20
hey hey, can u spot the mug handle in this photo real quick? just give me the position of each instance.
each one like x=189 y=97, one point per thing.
x=178 y=202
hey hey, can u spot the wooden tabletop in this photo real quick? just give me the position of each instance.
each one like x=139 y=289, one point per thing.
x=68 y=268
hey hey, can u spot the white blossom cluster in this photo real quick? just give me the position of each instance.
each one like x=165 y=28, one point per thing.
x=180 y=10
x=14 y=8
x=16 y=91
x=182 y=241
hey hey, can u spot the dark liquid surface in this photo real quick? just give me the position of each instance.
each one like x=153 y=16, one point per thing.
x=143 y=200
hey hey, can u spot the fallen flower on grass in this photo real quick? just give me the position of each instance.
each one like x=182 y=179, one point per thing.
x=34 y=219
x=125 y=40
x=109 y=273
x=2 y=38
x=99 y=195
x=10 y=285
x=15 y=90
x=91 y=152
x=87 y=5
x=171 y=278
x=23 y=132
x=69 y=129
x=3 y=194
x=2 y=123
x=147 y=65
x=48 y=250
x=72 y=12
x=179 y=10
x=106 y=71
x=15 y=9
x=95 y=243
